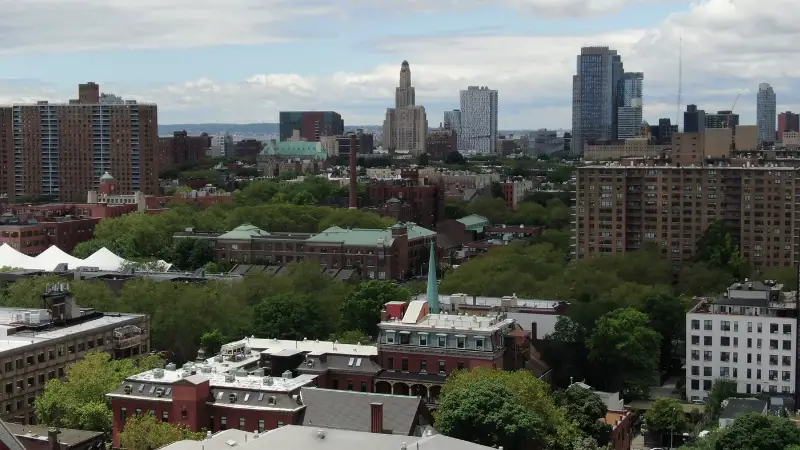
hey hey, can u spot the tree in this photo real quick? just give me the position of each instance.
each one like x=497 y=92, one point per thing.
x=488 y=414
x=588 y=410
x=351 y=337
x=80 y=401
x=701 y=279
x=565 y=350
x=287 y=316
x=423 y=159
x=721 y=390
x=624 y=348
x=454 y=158
x=557 y=432
x=192 y=254
x=666 y=415
x=494 y=209
x=211 y=341
x=755 y=431
x=717 y=249
x=361 y=310
x=667 y=314
x=304 y=198
x=145 y=432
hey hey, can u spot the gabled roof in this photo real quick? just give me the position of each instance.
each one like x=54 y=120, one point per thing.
x=474 y=221
x=364 y=237
x=8 y=439
x=738 y=406
x=243 y=232
x=351 y=410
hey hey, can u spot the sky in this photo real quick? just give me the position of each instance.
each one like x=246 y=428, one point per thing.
x=243 y=61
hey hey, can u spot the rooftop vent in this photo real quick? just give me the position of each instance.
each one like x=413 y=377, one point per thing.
x=160 y=392
x=158 y=373
x=128 y=388
x=320 y=434
x=232 y=398
x=287 y=374
x=229 y=377
x=170 y=366
x=267 y=381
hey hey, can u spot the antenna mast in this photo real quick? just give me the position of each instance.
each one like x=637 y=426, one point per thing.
x=680 y=77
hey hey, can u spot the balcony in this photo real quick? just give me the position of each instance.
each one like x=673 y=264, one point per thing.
x=128 y=336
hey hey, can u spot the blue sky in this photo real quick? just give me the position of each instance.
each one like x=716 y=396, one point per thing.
x=245 y=60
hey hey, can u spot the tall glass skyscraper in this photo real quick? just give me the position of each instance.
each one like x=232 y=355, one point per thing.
x=595 y=96
x=766 y=113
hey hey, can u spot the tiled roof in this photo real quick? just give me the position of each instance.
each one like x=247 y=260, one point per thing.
x=243 y=232
x=351 y=410
x=364 y=237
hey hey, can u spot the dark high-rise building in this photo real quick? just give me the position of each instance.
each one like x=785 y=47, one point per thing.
x=596 y=96
x=180 y=148
x=62 y=150
x=722 y=119
x=787 y=121
x=364 y=143
x=694 y=120
x=311 y=124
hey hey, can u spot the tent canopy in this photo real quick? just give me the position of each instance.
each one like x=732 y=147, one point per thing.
x=103 y=259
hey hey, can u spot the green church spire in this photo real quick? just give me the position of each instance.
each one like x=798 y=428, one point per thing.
x=433 y=286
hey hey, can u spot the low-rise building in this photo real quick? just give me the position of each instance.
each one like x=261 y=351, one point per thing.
x=748 y=335
x=735 y=407
x=441 y=142
x=279 y=157
x=394 y=253
x=14 y=436
x=629 y=148
x=39 y=344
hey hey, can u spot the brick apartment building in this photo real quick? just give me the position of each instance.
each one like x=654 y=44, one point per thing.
x=247 y=148
x=181 y=148
x=441 y=142
x=620 y=208
x=61 y=150
x=41 y=343
x=395 y=253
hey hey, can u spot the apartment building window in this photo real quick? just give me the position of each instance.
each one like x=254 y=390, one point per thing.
x=787 y=328
x=773 y=360
x=165 y=416
x=749 y=342
x=786 y=360
x=707 y=356
x=695 y=385
x=735 y=326
x=9 y=366
x=758 y=343
x=725 y=325
x=442 y=341
x=707 y=340
x=280 y=423
x=423 y=366
x=706 y=385
x=123 y=414
x=696 y=370
x=223 y=423
x=758 y=358
x=260 y=425
x=241 y=423
x=773 y=375
x=441 y=366
x=725 y=341
x=725 y=372
x=759 y=327
x=695 y=324
x=735 y=357
x=786 y=375
x=363 y=386
x=695 y=355
x=18 y=363
x=51 y=354
x=40 y=357
x=390 y=363
x=479 y=343
x=749 y=327
x=423 y=339
x=736 y=342
x=695 y=340
x=461 y=341
x=707 y=325
x=404 y=364
x=758 y=374
x=725 y=357
x=707 y=371
x=773 y=328
x=390 y=337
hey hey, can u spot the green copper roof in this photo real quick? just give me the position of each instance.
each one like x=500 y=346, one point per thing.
x=474 y=222
x=368 y=236
x=433 y=285
x=294 y=149
x=243 y=233
x=106 y=176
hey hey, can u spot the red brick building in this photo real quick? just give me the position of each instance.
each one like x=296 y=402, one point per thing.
x=181 y=148
x=441 y=142
x=247 y=148
x=426 y=200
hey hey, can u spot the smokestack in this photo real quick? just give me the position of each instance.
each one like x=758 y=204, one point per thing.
x=52 y=438
x=353 y=183
x=377 y=417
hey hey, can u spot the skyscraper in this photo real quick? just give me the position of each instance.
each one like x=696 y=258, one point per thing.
x=787 y=121
x=62 y=150
x=452 y=120
x=406 y=126
x=629 y=112
x=595 y=96
x=766 y=110
x=478 y=120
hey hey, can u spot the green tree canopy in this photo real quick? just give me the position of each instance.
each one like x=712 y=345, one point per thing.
x=212 y=341
x=361 y=310
x=721 y=390
x=79 y=401
x=146 y=432
x=718 y=250
x=758 y=432
x=588 y=411
x=666 y=415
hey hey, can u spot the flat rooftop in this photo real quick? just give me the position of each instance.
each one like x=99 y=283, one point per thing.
x=311 y=347
x=489 y=302
x=690 y=167
x=220 y=380
x=414 y=319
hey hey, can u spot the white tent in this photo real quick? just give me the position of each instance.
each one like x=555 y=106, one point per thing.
x=105 y=259
x=10 y=257
x=53 y=256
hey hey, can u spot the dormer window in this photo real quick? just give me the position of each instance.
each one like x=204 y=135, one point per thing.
x=442 y=340
x=423 y=338
x=461 y=341
x=390 y=337
x=479 y=342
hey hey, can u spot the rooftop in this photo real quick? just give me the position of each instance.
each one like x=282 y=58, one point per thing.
x=417 y=317
x=496 y=302
x=734 y=407
x=750 y=298
x=66 y=436
x=616 y=165
x=294 y=149
x=224 y=380
x=368 y=237
x=315 y=347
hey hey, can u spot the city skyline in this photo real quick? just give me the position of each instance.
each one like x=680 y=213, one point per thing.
x=276 y=65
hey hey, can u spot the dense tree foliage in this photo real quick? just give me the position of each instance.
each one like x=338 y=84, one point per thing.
x=666 y=416
x=717 y=249
x=146 y=432
x=721 y=390
x=274 y=206
x=361 y=310
x=587 y=410
x=752 y=432
x=79 y=401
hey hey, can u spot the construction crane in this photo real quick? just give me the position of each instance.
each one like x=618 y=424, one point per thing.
x=728 y=122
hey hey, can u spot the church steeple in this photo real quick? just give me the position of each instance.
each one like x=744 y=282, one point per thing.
x=433 y=286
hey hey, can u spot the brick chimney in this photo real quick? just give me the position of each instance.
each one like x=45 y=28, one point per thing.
x=377 y=417
x=353 y=176
x=52 y=438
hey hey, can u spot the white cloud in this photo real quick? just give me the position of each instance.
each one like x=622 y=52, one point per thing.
x=729 y=46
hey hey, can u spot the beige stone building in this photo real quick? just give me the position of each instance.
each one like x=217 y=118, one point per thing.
x=629 y=148
x=405 y=129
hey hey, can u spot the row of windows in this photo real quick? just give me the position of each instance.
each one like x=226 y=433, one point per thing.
x=440 y=340
x=726 y=357
x=725 y=325
x=695 y=386
x=725 y=341
x=726 y=373
x=223 y=420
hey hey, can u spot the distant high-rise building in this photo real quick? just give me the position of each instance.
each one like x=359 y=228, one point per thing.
x=766 y=109
x=62 y=150
x=722 y=119
x=787 y=121
x=478 y=120
x=452 y=120
x=629 y=112
x=694 y=120
x=311 y=124
x=405 y=129
x=595 y=96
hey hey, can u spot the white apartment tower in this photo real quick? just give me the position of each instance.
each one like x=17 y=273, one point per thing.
x=748 y=336
x=405 y=129
x=478 y=120
x=766 y=113
x=452 y=121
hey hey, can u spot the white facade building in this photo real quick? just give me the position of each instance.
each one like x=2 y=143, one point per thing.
x=766 y=113
x=452 y=121
x=405 y=129
x=478 y=121
x=630 y=113
x=748 y=336
x=221 y=145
